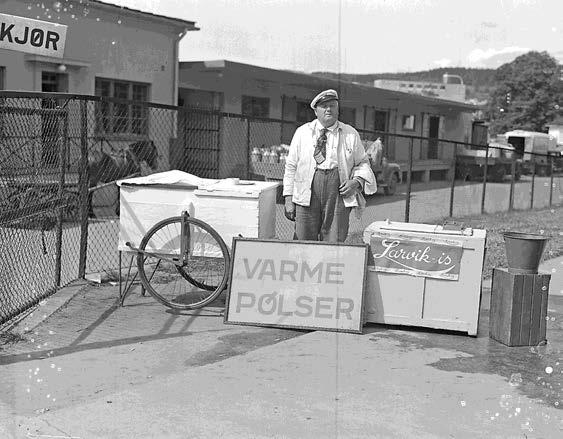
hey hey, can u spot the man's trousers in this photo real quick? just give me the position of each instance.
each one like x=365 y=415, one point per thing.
x=326 y=218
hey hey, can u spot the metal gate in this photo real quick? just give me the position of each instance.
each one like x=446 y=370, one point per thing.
x=200 y=132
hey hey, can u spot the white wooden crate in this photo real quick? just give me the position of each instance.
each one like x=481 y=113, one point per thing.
x=231 y=209
x=402 y=299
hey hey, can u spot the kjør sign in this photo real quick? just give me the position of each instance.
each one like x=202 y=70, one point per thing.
x=32 y=36
x=297 y=284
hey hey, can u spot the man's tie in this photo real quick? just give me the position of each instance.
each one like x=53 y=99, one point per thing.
x=320 y=149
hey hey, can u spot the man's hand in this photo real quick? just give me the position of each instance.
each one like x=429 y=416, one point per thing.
x=289 y=208
x=349 y=188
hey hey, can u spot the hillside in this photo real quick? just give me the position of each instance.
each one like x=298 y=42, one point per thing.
x=480 y=82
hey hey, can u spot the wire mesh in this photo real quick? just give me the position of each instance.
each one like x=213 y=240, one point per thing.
x=61 y=156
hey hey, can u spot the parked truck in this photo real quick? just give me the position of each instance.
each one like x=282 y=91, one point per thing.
x=533 y=148
x=387 y=174
x=501 y=160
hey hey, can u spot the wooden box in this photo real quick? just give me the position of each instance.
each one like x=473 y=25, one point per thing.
x=270 y=171
x=247 y=208
x=239 y=210
x=518 y=308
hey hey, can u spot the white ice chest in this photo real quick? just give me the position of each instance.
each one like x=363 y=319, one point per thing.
x=231 y=209
x=402 y=299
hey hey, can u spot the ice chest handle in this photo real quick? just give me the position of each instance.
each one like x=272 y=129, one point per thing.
x=446 y=229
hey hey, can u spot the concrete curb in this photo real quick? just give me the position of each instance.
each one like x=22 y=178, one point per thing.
x=47 y=307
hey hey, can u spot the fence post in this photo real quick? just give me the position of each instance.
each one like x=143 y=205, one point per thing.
x=551 y=158
x=485 y=179
x=83 y=175
x=219 y=143
x=533 y=183
x=452 y=187
x=247 y=148
x=409 y=184
x=60 y=196
x=512 y=183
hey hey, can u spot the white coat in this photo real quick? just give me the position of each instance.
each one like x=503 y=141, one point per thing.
x=352 y=162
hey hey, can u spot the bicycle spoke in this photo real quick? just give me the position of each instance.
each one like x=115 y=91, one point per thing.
x=202 y=275
x=154 y=271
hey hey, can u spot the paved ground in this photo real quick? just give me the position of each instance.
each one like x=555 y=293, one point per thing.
x=83 y=367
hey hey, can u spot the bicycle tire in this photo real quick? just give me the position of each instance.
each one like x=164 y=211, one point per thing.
x=202 y=278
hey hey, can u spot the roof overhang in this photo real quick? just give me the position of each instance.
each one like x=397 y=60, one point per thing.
x=60 y=61
x=394 y=95
x=177 y=22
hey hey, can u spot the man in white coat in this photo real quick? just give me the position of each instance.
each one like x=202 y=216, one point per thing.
x=326 y=171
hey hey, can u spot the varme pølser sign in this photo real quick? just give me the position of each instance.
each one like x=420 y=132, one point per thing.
x=432 y=257
x=297 y=284
x=24 y=34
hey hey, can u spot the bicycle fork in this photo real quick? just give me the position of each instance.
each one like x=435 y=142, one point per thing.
x=184 y=237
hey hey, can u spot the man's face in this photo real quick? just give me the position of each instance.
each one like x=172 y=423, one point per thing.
x=327 y=113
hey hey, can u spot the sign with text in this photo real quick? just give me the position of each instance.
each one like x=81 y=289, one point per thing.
x=297 y=284
x=416 y=256
x=32 y=36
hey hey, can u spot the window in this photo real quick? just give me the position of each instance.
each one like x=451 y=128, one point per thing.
x=52 y=82
x=380 y=120
x=207 y=100
x=408 y=122
x=347 y=115
x=304 y=112
x=255 y=107
x=121 y=117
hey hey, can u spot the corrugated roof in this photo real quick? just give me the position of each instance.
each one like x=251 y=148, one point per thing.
x=190 y=25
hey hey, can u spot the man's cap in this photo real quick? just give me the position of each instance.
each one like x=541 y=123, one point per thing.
x=324 y=96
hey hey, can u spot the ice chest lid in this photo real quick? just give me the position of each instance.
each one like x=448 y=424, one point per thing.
x=395 y=226
x=231 y=188
x=174 y=178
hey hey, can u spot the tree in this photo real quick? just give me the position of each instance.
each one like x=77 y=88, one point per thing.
x=528 y=93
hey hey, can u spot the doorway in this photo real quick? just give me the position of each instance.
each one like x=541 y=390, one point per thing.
x=433 y=134
x=51 y=126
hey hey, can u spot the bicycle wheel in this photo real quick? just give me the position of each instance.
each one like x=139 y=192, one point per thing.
x=202 y=276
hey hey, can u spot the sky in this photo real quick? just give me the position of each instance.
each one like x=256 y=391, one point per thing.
x=364 y=36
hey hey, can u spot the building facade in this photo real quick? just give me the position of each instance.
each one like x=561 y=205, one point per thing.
x=283 y=95
x=110 y=51
x=451 y=87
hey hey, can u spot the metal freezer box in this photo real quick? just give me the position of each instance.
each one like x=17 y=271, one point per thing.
x=425 y=299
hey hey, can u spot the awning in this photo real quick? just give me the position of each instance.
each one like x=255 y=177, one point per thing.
x=52 y=60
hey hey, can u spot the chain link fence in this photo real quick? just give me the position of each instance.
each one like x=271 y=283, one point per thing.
x=61 y=154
